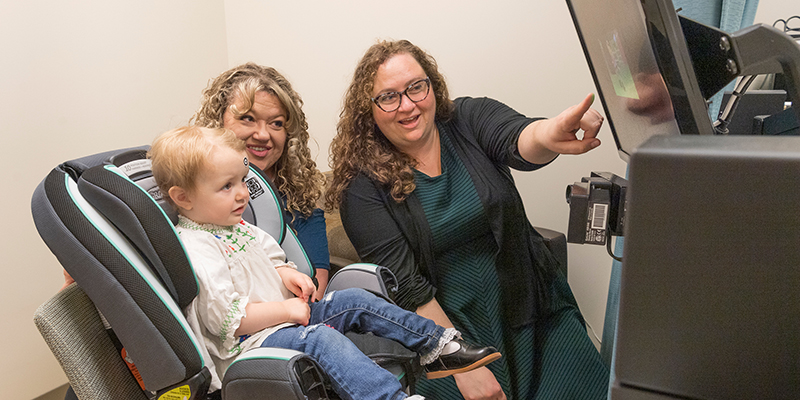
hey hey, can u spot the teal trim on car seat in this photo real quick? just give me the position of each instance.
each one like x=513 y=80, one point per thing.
x=275 y=353
x=123 y=247
x=117 y=171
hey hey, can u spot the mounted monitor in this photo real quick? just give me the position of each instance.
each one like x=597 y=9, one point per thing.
x=655 y=69
x=709 y=301
x=710 y=285
x=645 y=89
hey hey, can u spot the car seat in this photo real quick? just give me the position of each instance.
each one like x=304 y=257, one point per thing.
x=102 y=217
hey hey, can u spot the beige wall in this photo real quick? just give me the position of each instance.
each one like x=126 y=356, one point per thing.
x=94 y=75
x=770 y=11
x=77 y=78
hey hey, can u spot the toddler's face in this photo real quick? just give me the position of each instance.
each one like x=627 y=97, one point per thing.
x=220 y=194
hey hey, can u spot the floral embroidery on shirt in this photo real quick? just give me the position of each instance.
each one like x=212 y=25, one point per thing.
x=236 y=238
x=245 y=233
x=226 y=325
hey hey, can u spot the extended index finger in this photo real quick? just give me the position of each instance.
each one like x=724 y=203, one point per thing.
x=573 y=115
x=584 y=105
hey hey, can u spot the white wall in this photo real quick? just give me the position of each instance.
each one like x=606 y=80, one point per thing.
x=77 y=78
x=96 y=75
x=770 y=11
x=523 y=53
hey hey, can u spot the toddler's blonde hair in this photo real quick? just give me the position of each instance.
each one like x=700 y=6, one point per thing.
x=180 y=154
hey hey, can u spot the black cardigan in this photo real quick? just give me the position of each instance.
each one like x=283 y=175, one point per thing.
x=484 y=133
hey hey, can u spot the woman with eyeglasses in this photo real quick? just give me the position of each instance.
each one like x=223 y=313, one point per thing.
x=425 y=189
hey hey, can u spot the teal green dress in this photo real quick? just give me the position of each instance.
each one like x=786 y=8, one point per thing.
x=469 y=293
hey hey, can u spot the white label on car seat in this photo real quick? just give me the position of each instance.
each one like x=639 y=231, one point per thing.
x=135 y=166
x=254 y=187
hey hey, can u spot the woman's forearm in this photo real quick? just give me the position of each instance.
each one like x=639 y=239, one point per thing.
x=433 y=311
x=322 y=283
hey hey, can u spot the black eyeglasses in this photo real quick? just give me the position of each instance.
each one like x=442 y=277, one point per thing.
x=415 y=92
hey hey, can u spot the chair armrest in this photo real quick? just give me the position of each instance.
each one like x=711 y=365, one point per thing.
x=374 y=278
x=556 y=242
x=274 y=373
x=390 y=355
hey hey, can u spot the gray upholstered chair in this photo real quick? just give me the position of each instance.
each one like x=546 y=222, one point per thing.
x=74 y=331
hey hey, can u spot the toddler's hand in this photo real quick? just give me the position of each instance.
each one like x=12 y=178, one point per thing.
x=298 y=283
x=298 y=310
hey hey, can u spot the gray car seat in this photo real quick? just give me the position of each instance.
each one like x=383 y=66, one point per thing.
x=100 y=216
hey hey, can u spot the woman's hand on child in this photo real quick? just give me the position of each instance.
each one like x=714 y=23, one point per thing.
x=297 y=310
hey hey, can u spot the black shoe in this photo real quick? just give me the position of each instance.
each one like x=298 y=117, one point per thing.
x=465 y=359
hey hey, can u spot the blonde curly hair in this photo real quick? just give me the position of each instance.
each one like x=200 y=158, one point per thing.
x=359 y=145
x=296 y=173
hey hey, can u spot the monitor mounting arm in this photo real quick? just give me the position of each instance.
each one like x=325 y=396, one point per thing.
x=719 y=57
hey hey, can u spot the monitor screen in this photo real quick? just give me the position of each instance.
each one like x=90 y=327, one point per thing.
x=641 y=67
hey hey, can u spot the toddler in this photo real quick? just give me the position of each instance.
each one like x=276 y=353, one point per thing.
x=250 y=296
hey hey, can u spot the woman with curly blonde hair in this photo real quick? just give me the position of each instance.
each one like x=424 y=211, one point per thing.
x=261 y=107
x=425 y=189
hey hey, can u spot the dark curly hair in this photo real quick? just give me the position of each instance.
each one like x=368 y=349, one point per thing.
x=359 y=145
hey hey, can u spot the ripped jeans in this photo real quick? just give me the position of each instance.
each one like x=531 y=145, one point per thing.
x=353 y=375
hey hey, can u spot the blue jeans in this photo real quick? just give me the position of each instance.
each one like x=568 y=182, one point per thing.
x=353 y=375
